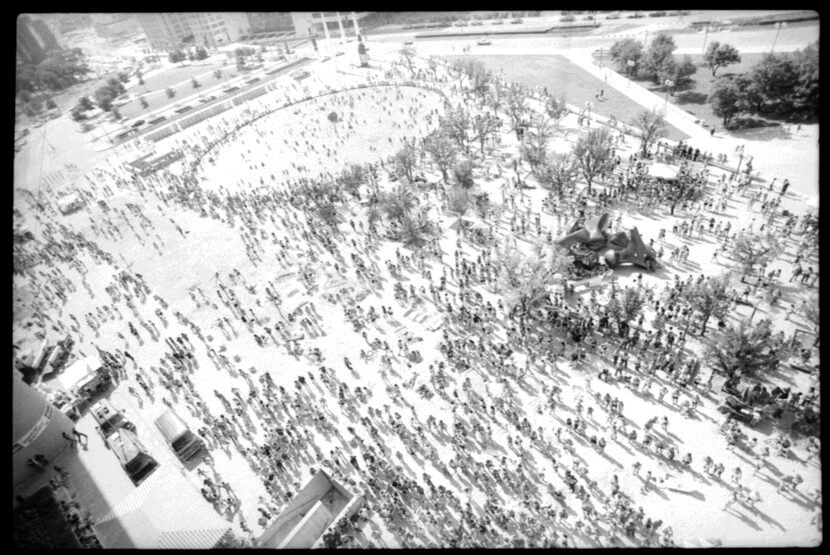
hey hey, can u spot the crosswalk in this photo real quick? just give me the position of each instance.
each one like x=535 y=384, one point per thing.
x=68 y=172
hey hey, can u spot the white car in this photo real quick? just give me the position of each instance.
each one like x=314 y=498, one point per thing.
x=408 y=42
x=484 y=42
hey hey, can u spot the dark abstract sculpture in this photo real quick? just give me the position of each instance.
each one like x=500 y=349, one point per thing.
x=586 y=246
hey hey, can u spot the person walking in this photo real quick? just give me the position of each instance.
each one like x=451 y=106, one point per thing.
x=81 y=437
x=733 y=498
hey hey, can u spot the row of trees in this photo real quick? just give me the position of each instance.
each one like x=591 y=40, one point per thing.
x=55 y=73
x=657 y=63
x=193 y=54
x=785 y=85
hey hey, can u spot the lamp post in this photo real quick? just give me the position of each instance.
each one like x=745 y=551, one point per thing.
x=705 y=36
x=777 y=30
x=630 y=64
x=740 y=161
x=669 y=84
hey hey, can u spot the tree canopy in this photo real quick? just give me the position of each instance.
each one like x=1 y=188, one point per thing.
x=593 y=154
x=652 y=126
x=750 y=348
x=624 y=50
x=720 y=55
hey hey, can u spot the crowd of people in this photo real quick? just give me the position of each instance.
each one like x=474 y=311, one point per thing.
x=439 y=478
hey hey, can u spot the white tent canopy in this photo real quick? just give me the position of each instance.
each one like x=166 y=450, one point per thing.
x=663 y=171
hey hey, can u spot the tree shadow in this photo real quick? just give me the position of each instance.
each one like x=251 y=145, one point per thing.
x=691 y=97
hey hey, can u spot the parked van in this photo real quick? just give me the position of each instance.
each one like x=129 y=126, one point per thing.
x=183 y=442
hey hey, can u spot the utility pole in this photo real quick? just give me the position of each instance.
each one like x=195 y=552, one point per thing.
x=354 y=23
x=342 y=32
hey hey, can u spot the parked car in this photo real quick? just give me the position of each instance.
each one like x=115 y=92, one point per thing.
x=109 y=419
x=484 y=42
x=408 y=42
x=138 y=123
x=300 y=74
x=132 y=455
x=613 y=16
x=183 y=442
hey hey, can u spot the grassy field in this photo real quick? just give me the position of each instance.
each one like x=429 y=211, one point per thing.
x=179 y=80
x=695 y=99
x=565 y=79
x=172 y=76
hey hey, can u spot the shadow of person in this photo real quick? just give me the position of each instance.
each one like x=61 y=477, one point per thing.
x=744 y=518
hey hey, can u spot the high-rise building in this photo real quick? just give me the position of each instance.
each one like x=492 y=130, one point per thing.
x=115 y=25
x=69 y=22
x=168 y=31
x=34 y=40
x=270 y=22
x=311 y=23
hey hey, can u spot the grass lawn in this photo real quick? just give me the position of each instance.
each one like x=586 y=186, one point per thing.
x=172 y=76
x=565 y=79
x=695 y=100
x=179 y=80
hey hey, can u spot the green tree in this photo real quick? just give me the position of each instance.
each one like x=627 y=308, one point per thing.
x=398 y=203
x=524 y=281
x=123 y=76
x=495 y=97
x=85 y=103
x=624 y=50
x=104 y=98
x=140 y=76
x=774 y=77
x=458 y=203
x=217 y=73
x=50 y=104
x=115 y=113
x=557 y=172
x=710 y=298
x=77 y=114
x=415 y=232
x=484 y=125
x=442 y=150
x=751 y=348
x=352 y=178
x=117 y=86
x=626 y=305
x=195 y=83
x=201 y=53
x=752 y=250
x=170 y=92
x=406 y=160
x=556 y=110
x=727 y=99
x=456 y=123
x=592 y=152
x=806 y=90
x=658 y=60
x=463 y=174
x=143 y=102
x=408 y=57
x=652 y=126
x=720 y=55
x=683 y=71
x=516 y=104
